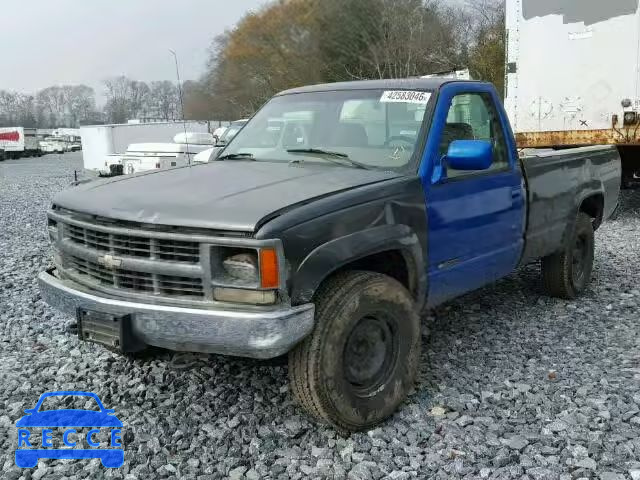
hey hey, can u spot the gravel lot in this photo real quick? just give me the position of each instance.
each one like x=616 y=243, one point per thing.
x=513 y=384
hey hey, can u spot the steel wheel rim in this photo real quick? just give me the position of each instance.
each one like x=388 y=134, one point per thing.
x=370 y=354
x=579 y=259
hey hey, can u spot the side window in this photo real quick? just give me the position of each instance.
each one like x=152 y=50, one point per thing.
x=473 y=116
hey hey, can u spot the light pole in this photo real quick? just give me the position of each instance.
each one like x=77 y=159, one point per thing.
x=184 y=123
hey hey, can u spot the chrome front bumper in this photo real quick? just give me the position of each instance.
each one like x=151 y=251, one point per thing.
x=250 y=332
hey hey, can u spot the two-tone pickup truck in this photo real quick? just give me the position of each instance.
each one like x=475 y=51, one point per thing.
x=330 y=221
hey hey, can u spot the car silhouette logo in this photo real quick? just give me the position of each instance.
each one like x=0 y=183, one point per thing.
x=111 y=455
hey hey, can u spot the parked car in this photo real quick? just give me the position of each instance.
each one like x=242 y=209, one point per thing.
x=231 y=131
x=218 y=132
x=53 y=145
x=397 y=195
x=210 y=154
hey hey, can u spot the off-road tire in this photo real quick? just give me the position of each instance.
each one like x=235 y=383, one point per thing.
x=563 y=274
x=320 y=379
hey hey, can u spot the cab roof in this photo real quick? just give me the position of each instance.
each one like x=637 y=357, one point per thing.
x=396 y=84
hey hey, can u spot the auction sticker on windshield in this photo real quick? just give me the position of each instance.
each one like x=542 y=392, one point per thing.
x=405 y=96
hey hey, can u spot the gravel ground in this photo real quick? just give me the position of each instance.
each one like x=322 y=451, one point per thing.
x=513 y=384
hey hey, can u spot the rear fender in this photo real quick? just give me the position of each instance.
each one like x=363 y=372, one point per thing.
x=593 y=189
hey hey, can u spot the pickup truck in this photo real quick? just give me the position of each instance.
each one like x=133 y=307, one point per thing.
x=378 y=199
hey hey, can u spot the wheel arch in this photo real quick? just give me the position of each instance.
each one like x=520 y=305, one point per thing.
x=593 y=205
x=393 y=250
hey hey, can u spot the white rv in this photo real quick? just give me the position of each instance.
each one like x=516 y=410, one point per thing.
x=101 y=144
x=573 y=75
x=142 y=157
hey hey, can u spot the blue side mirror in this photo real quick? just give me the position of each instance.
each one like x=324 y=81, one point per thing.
x=470 y=155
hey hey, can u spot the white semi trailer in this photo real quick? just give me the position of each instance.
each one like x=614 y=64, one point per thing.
x=103 y=145
x=573 y=75
x=16 y=142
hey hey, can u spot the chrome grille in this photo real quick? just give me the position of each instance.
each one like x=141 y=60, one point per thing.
x=134 y=246
x=141 y=282
x=108 y=255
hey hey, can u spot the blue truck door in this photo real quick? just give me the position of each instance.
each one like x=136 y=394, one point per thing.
x=476 y=219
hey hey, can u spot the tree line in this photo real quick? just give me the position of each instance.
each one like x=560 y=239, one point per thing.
x=289 y=43
x=75 y=105
x=57 y=106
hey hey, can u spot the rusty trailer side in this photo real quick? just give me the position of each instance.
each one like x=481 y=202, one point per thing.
x=572 y=138
x=627 y=139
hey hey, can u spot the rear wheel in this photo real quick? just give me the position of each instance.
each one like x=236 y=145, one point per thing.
x=566 y=274
x=361 y=360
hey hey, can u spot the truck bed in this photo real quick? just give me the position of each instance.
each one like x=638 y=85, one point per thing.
x=558 y=181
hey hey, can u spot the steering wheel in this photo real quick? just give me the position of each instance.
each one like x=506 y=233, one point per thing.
x=401 y=138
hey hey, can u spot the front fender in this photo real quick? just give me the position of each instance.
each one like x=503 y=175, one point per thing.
x=332 y=256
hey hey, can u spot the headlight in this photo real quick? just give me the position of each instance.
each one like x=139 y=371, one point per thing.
x=242 y=266
x=245 y=275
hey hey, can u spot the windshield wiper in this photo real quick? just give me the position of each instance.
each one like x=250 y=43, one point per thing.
x=327 y=153
x=236 y=156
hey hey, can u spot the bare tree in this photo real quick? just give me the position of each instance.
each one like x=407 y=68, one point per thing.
x=126 y=99
x=117 y=105
x=414 y=40
x=163 y=96
x=17 y=109
x=139 y=98
x=65 y=105
x=51 y=102
x=80 y=103
x=488 y=42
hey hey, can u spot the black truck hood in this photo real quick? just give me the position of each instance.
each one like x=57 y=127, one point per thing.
x=230 y=195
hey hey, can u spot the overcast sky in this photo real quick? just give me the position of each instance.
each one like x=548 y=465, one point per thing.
x=55 y=42
x=47 y=42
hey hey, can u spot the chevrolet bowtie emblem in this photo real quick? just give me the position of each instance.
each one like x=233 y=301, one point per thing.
x=110 y=261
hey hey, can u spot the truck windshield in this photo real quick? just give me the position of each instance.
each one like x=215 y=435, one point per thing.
x=376 y=129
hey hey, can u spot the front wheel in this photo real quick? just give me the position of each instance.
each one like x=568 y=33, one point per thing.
x=361 y=360
x=566 y=274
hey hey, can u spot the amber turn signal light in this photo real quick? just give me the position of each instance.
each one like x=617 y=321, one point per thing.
x=269 y=275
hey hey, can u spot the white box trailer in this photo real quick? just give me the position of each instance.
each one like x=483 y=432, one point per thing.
x=101 y=141
x=573 y=75
x=16 y=142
